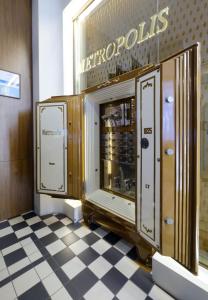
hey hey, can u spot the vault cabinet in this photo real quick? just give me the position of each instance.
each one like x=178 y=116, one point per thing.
x=142 y=157
x=59 y=148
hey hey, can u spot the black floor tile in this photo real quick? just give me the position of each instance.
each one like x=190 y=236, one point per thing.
x=48 y=239
x=94 y=226
x=8 y=240
x=41 y=248
x=5 y=281
x=19 y=226
x=114 y=280
x=63 y=256
x=88 y=256
x=133 y=254
x=72 y=291
x=54 y=266
x=84 y=281
x=36 y=292
x=142 y=280
x=70 y=239
x=14 y=257
x=74 y=226
x=62 y=276
x=46 y=216
x=29 y=215
x=55 y=226
x=91 y=238
x=113 y=255
x=38 y=226
x=112 y=238
x=4 y=224
x=60 y=216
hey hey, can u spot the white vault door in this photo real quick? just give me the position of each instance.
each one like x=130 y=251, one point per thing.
x=148 y=153
x=52 y=148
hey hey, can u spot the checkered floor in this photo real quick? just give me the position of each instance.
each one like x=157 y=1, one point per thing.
x=52 y=258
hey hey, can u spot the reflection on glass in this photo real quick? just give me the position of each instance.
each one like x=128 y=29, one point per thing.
x=9 y=84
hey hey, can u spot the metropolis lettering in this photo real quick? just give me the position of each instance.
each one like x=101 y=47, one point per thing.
x=158 y=24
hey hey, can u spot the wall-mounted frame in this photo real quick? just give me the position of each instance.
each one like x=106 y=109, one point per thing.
x=9 y=84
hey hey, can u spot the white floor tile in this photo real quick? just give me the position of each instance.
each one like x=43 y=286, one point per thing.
x=62 y=232
x=23 y=232
x=62 y=294
x=66 y=221
x=101 y=232
x=33 y=220
x=78 y=247
x=19 y=265
x=6 y=231
x=73 y=267
x=55 y=247
x=11 y=248
x=127 y=266
x=123 y=246
x=131 y=292
x=25 y=281
x=50 y=220
x=99 y=291
x=7 y=292
x=101 y=246
x=43 y=270
x=35 y=256
x=43 y=232
x=2 y=262
x=100 y=267
x=4 y=274
x=30 y=248
x=26 y=241
x=82 y=231
x=52 y=284
x=157 y=294
x=16 y=220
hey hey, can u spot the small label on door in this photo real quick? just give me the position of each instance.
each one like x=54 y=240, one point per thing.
x=148 y=130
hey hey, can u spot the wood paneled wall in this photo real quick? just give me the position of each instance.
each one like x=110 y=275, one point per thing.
x=16 y=150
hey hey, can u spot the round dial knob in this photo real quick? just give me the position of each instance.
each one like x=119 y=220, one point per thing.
x=144 y=143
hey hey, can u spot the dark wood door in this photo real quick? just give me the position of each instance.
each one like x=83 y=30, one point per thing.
x=16 y=150
x=180 y=188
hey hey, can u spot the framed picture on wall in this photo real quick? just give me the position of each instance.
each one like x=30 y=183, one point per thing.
x=9 y=84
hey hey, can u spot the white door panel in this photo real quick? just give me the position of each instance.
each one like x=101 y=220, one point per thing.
x=148 y=168
x=52 y=147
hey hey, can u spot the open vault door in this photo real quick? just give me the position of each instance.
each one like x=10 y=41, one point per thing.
x=168 y=129
x=52 y=148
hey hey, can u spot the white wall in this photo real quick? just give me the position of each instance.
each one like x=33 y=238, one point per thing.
x=48 y=47
x=47 y=43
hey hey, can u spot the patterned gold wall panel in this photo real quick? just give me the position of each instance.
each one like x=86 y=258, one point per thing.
x=113 y=19
x=188 y=24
